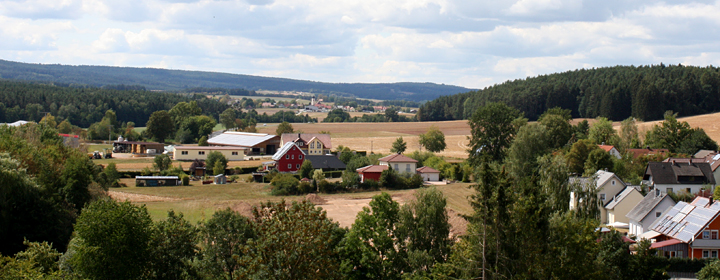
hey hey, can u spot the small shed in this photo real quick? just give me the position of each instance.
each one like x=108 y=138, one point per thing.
x=429 y=174
x=220 y=179
x=371 y=172
x=157 y=181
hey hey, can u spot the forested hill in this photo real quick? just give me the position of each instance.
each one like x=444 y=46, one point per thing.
x=617 y=93
x=162 y=79
x=84 y=106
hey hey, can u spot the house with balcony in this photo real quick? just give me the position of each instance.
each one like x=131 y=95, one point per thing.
x=608 y=185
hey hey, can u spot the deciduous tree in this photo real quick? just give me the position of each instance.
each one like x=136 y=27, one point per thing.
x=399 y=146
x=492 y=131
x=160 y=126
x=284 y=127
x=433 y=140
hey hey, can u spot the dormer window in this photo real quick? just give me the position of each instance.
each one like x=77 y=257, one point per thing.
x=300 y=143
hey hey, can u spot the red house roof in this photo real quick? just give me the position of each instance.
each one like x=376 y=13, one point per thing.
x=606 y=148
x=427 y=169
x=372 y=169
x=396 y=158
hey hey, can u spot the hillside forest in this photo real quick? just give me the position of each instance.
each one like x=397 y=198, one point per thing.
x=616 y=93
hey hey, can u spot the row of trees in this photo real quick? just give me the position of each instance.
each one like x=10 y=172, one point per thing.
x=118 y=240
x=390 y=115
x=618 y=92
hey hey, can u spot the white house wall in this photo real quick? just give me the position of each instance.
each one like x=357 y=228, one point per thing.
x=196 y=154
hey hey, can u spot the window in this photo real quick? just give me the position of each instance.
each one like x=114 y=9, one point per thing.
x=289 y=165
x=299 y=156
x=706 y=254
x=396 y=168
x=407 y=168
x=613 y=182
x=706 y=234
x=713 y=234
x=679 y=254
x=669 y=190
x=297 y=166
x=184 y=152
x=602 y=196
x=287 y=156
x=688 y=190
x=713 y=254
x=312 y=145
x=292 y=157
x=201 y=152
x=234 y=153
x=657 y=214
x=657 y=191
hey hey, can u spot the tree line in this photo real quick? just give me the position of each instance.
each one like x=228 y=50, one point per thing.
x=85 y=106
x=616 y=93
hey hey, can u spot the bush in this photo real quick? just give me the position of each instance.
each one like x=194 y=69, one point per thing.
x=370 y=185
x=284 y=184
x=185 y=180
x=327 y=187
x=305 y=187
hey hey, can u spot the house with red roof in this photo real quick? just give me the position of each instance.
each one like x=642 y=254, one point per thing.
x=371 y=172
x=689 y=230
x=611 y=150
x=399 y=163
x=636 y=153
x=428 y=174
x=289 y=158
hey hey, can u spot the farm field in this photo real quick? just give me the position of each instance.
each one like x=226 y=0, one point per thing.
x=198 y=202
x=378 y=137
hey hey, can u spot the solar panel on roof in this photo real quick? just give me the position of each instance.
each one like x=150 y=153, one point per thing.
x=716 y=157
x=685 y=210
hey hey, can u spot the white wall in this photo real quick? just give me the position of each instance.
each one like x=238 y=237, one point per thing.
x=195 y=154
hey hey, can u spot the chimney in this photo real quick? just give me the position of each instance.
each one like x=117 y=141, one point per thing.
x=603 y=143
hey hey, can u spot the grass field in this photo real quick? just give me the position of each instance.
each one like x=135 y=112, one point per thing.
x=198 y=202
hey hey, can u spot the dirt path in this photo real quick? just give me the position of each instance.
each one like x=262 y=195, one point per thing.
x=132 y=197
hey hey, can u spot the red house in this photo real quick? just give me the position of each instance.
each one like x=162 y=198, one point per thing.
x=689 y=230
x=289 y=158
x=371 y=172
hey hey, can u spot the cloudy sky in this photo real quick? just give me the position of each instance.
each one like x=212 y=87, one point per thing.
x=468 y=43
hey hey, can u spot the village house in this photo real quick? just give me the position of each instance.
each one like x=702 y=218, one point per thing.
x=689 y=230
x=201 y=152
x=399 y=163
x=678 y=176
x=142 y=148
x=647 y=211
x=611 y=150
x=289 y=158
x=310 y=143
x=607 y=184
x=254 y=143
x=709 y=157
x=620 y=205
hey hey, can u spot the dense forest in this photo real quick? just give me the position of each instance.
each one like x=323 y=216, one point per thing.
x=162 y=79
x=84 y=106
x=644 y=92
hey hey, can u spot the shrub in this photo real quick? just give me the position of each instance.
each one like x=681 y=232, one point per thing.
x=284 y=184
x=305 y=187
x=185 y=180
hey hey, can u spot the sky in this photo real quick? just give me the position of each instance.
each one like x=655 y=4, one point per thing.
x=470 y=43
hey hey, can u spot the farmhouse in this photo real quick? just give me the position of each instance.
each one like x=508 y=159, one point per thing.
x=676 y=176
x=689 y=229
x=255 y=143
x=647 y=211
x=201 y=152
x=371 y=172
x=146 y=148
x=428 y=174
x=288 y=158
x=310 y=143
x=711 y=158
x=399 y=163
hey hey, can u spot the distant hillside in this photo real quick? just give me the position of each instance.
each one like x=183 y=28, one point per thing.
x=162 y=79
x=617 y=93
